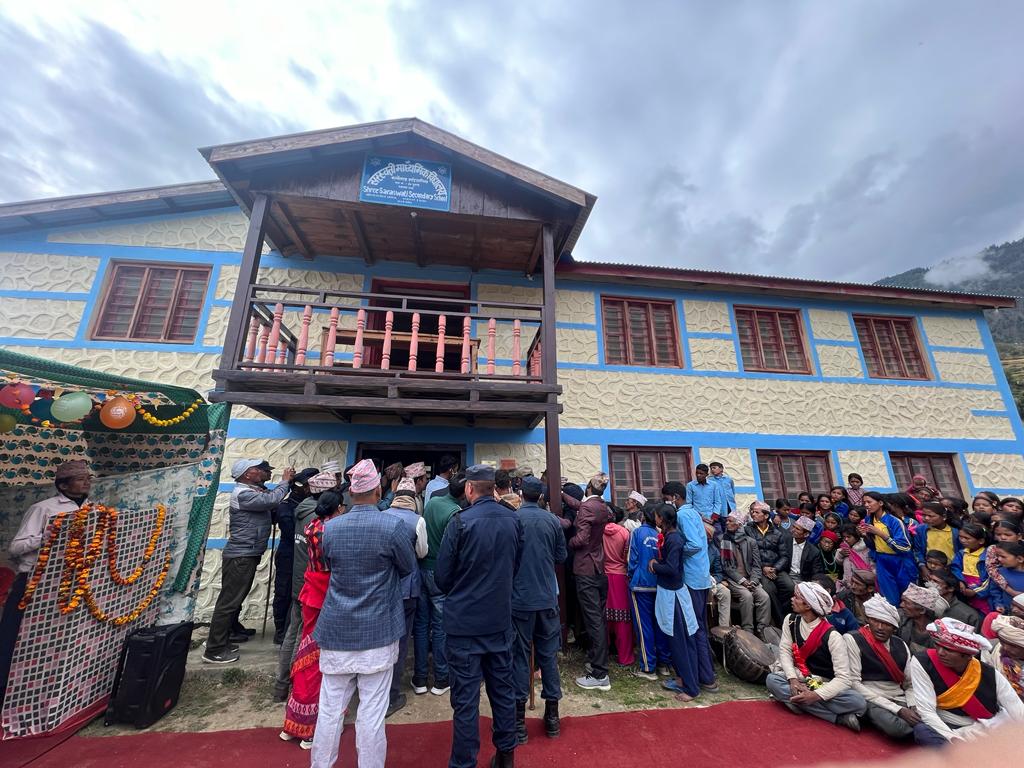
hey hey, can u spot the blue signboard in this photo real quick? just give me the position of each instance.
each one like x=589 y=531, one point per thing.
x=406 y=181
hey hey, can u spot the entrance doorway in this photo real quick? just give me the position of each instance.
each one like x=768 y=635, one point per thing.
x=384 y=454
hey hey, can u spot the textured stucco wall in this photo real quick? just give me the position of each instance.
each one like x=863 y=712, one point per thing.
x=212 y=232
x=713 y=354
x=40 y=318
x=579 y=462
x=612 y=400
x=870 y=465
x=736 y=460
x=293 y=277
x=839 y=361
x=707 y=316
x=996 y=470
x=49 y=272
x=830 y=325
x=964 y=367
x=573 y=306
x=952 y=332
x=283 y=453
x=576 y=345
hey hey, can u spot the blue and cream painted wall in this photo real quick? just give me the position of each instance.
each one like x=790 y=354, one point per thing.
x=50 y=282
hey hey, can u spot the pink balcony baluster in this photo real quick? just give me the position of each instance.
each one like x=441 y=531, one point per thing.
x=300 y=351
x=491 y=330
x=261 y=351
x=332 y=340
x=414 y=341
x=250 y=344
x=385 y=355
x=282 y=356
x=535 y=359
x=517 y=332
x=439 y=366
x=357 y=352
x=275 y=334
x=466 y=323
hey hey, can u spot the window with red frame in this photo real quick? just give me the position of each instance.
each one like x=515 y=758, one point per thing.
x=785 y=474
x=147 y=302
x=640 y=332
x=890 y=346
x=938 y=469
x=646 y=470
x=771 y=340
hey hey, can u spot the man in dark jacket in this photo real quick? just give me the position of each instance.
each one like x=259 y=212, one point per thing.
x=535 y=607
x=741 y=564
x=773 y=545
x=284 y=518
x=248 y=530
x=476 y=566
x=805 y=561
x=591 y=582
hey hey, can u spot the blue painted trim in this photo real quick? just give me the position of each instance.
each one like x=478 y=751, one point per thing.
x=211 y=291
x=835 y=343
x=929 y=350
x=737 y=347
x=577 y=326
x=771 y=376
x=709 y=335
x=805 y=318
x=599 y=323
x=1000 y=376
x=222 y=302
x=133 y=253
x=962 y=350
x=860 y=349
x=54 y=295
x=983 y=412
x=91 y=306
x=89 y=344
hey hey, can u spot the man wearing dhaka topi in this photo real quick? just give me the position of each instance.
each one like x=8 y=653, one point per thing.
x=959 y=697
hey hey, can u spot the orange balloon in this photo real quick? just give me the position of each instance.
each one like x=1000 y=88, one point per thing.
x=117 y=413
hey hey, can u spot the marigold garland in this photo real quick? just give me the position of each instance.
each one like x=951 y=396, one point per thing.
x=152 y=420
x=79 y=559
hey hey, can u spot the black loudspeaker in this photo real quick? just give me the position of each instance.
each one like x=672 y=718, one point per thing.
x=149 y=674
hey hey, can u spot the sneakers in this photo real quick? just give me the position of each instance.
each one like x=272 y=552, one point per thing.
x=419 y=687
x=590 y=683
x=664 y=671
x=280 y=695
x=396 y=705
x=440 y=687
x=231 y=646
x=239 y=629
x=849 y=721
x=645 y=675
x=304 y=744
x=239 y=637
x=224 y=657
x=711 y=688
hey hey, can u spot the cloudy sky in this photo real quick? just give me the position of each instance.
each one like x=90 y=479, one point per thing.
x=842 y=140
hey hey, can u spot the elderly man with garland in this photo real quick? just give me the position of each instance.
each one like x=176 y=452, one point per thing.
x=959 y=697
x=249 y=523
x=815 y=663
x=73 y=481
x=880 y=668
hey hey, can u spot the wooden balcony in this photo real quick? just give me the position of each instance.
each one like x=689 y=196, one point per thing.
x=309 y=352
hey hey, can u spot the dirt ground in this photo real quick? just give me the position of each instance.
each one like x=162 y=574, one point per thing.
x=237 y=697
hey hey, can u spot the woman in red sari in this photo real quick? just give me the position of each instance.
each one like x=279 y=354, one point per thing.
x=303 y=702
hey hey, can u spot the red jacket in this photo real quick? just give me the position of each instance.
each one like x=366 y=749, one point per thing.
x=588 y=542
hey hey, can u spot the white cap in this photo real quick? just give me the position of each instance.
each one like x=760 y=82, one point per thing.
x=239 y=467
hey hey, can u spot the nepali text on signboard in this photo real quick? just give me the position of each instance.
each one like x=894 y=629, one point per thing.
x=406 y=181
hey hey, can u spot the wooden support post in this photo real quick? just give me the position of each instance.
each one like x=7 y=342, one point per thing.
x=549 y=366
x=234 y=339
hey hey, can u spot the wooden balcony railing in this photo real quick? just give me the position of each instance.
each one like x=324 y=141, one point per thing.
x=341 y=332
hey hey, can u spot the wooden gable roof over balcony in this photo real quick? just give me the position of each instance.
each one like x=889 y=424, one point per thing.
x=313 y=179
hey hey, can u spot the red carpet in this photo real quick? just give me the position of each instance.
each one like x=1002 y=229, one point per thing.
x=726 y=735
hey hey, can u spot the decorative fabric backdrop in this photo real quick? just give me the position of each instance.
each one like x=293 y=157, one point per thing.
x=66 y=663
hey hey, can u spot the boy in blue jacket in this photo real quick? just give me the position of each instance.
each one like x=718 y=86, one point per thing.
x=643 y=587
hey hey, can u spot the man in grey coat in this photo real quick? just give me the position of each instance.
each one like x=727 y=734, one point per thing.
x=368 y=552
x=249 y=523
x=741 y=566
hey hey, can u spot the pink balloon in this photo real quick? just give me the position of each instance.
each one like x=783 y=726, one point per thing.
x=17 y=395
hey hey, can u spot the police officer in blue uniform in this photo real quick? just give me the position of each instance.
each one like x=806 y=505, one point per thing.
x=476 y=565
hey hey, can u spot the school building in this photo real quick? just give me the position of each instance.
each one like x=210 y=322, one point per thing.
x=391 y=290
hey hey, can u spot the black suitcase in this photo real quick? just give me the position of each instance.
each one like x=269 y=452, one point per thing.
x=149 y=674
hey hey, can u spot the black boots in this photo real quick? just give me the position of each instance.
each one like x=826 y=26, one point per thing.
x=551 y=726
x=504 y=759
x=521 y=736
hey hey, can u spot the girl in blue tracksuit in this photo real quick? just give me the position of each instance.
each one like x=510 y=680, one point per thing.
x=887 y=537
x=643 y=588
